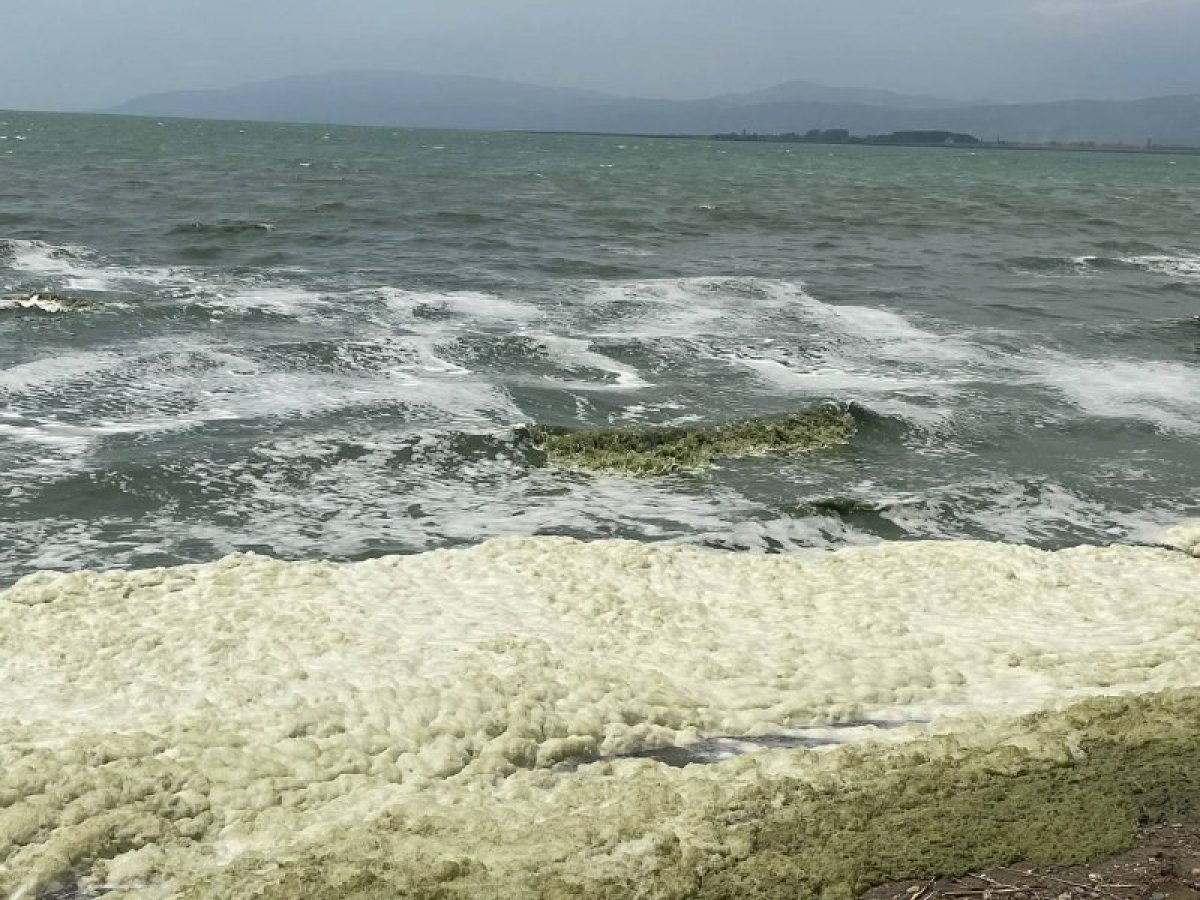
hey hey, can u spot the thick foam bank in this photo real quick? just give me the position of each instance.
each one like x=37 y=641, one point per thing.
x=460 y=723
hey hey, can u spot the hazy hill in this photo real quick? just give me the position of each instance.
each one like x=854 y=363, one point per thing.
x=1165 y=120
x=372 y=98
x=811 y=92
x=431 y=101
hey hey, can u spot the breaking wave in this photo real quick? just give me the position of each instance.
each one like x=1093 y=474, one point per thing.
x=209 y=409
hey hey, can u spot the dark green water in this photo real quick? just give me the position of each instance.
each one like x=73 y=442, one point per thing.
x=315 y=342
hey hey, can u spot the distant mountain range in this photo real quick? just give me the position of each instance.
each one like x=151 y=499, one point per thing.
x=435 y=101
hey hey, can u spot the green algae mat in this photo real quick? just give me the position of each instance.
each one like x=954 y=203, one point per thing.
x=663 y=450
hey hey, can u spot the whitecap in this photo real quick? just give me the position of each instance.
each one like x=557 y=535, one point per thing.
x=1185 y=267
x=1161 y=392
x=275 y=299
x=472 y=306
x=577 y=353
x=42 y=302
x=69 y=263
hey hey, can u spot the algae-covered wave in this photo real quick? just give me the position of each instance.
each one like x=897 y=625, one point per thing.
x=660 y=450
x=423 y=725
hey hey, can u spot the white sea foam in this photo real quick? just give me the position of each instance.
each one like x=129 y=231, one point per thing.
x=882 y=359
x=822 y=379
x=923 y=401
x=1182 y=265
x=48 y=371
x=279 y=300
x=1031 y=511
x=687 y=308
x=250 y=706
x=73 y=268
x=297 y=393
x=76 y=437
x=1161 y=392
x=887 y=337
x=799 y=344
x=412 y=363
x=48 y=303
x=1185 y=267
x=796 y=536
x=76 y=268
x=870 y=323
x=410 y=490
x=794 y=341
x=153 y=386
x=577 y=353
x=71 y=264
x=476 y=306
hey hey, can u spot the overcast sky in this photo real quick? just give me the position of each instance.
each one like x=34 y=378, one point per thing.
x=82 y=54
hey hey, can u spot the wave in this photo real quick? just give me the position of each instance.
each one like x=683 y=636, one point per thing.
x=1028 y=511
x=1177 y=265
x=596 y=337
x=161 y=290
x=46 y=302
x=221 y=228
x=658 y=450
x=473 y=306
x=247 y=407
x=210 y=718
x=348 y=486
x=1159 y=392
x=74 y=268
x=1184 y=267
x=166 y=384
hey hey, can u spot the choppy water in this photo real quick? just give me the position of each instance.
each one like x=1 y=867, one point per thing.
x=316 y=342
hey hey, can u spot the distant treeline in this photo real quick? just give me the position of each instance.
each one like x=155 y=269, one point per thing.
x=843 y=136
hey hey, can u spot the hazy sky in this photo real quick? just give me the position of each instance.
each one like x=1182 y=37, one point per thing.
x=77 y=54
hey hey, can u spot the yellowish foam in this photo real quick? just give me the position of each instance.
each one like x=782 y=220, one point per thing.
x=1185 y=537
x=158 y=728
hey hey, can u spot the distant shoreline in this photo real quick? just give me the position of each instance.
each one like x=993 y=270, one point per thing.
x=1056 y=147
x=733 y=138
